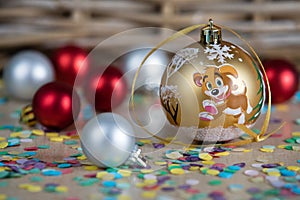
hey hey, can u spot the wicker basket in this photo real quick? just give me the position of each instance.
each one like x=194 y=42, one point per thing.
x=272 y=26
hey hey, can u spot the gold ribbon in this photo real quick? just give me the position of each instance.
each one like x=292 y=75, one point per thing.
x=263 y=135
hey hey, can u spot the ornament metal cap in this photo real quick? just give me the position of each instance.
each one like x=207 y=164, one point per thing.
x=136 y=158
x=211 y=34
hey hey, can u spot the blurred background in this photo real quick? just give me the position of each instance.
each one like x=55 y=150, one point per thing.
x=271 y=26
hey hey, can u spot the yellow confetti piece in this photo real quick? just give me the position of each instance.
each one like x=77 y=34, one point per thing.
x=2 y=138
x=91 y=168
x=3 y=144
x=24 y=186
x=38 y=132
x=266 y=150
x=15 y=134
x=212 y=172
x=3 y=196
x=296 y=134
x=2 y=169
x=52 y=134
x=238 y=149
x=281 y=146
x=124 y=173
x=101 y=174
x=61 y=189
x=83 y=157
x=208 y=162
x=274 y=173
x=147 y=171
x=177 y=171
x=160 y=163
x=247 y=150
x=65 y=137
x=194 y=168
x=124 y=197
x=56 y=139
x=205 y=156
x=140 y=185
x=293 y=168
x=225 y=153
x=149 y=182
x=257 y=179
x=146 y=141
x=149 y=194
x=34 y=188
x=108 y=177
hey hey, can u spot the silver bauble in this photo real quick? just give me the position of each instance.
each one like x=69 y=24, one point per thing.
x=26 y=72
x=150 y=75
x=107 y=140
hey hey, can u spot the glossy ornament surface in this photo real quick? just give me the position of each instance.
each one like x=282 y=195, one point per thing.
x=108 y=141
x=26 y=72
x=283 y=78
x=55 y=105
x=106 y=90
x=70 y=63
x=210 y=86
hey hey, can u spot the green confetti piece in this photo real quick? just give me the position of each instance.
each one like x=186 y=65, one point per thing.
x=34 y=171
x=70 y=142
x=140 y=176
x=140 y=144
x=43 y=146
x=290 y=140
x=272 y=192
x=36 y=179
x=215 y=182
x=4 y=174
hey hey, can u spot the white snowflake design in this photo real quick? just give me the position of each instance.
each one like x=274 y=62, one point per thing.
x=181 y=57
x=169 y=92
x=218 y=52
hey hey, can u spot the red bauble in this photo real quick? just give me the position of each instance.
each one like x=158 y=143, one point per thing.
x=106 y=90
x=70 y=63
x=283 y=78
x=55 y=105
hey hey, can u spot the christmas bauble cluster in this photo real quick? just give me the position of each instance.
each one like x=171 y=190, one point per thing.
x=48 y=82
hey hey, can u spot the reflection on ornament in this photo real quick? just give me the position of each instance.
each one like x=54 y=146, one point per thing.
x=283 y=78
x=55 y=105
x=26 y=72
x=150 y=75
x=70 y=63
x=107 y=90
x=107 y=140
x=212 y=85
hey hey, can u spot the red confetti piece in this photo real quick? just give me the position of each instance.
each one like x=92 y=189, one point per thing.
x=192 y=191
x=35 y=148
x=51 y=165
x=90 y=175
x=66 y=170
x=151 y=187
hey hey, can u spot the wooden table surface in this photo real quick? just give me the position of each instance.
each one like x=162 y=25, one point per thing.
x=58 y=151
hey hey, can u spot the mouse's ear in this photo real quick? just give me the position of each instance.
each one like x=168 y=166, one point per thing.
x=228 y=69
x=198 y=79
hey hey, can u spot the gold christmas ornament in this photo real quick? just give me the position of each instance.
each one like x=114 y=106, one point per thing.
x=213 y=89
x=212 y=85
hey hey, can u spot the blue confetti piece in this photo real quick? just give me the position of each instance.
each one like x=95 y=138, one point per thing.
x=225 y=175
x=64 y=165
x=296 y=190
x=109 y=183
x=51 y=172
x=234 y=167
x=286 y=172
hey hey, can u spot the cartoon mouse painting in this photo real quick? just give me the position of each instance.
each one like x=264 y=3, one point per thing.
x=226 y=93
